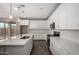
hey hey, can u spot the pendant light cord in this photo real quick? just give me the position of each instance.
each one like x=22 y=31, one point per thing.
x=10 y=8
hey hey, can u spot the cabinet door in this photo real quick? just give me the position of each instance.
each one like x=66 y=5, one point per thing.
x=62 y=17
x=69 y=16
x=24 y=22
x=72 y=11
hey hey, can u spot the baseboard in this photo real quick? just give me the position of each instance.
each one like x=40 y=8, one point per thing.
x=39 y=39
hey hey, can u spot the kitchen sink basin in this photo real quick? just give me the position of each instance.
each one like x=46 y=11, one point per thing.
x=25 y=37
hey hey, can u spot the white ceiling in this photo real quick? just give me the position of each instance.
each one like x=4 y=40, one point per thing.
x=31 y=10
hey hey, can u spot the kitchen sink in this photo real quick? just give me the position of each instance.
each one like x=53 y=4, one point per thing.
x=25 y=37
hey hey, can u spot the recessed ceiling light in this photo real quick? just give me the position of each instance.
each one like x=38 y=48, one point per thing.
x=15 y=8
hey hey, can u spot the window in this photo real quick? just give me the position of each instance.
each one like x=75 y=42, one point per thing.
x=2 y=31
x=7 y=30
x=13 y=29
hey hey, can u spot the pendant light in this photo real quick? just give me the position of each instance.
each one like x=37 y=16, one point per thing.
x=18 y=14
x=23 y=14
x=10 y=16
x=23 y=6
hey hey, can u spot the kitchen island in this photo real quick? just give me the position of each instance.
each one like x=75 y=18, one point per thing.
x=17 y=46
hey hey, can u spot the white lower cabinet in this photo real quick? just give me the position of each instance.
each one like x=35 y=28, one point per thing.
x=20 y=50
x=61 y=46
x=56 y=47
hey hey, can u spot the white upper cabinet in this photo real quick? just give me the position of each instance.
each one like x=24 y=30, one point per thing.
x=66 y=16
x=72 y=11
x=38 y=24
x=61 y=18
x=24 y=22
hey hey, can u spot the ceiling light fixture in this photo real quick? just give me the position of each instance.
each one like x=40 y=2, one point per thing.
x=15 y=8
x=22 y=6
x=10 y=16
x=18 y=14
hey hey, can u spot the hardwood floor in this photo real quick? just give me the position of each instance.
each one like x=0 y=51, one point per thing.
x=40 y=48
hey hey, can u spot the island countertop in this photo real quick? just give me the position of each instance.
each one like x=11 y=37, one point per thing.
x=15 y=42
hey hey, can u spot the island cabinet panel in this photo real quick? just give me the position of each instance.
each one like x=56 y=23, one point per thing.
x=17 y=46
x=20 y=50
